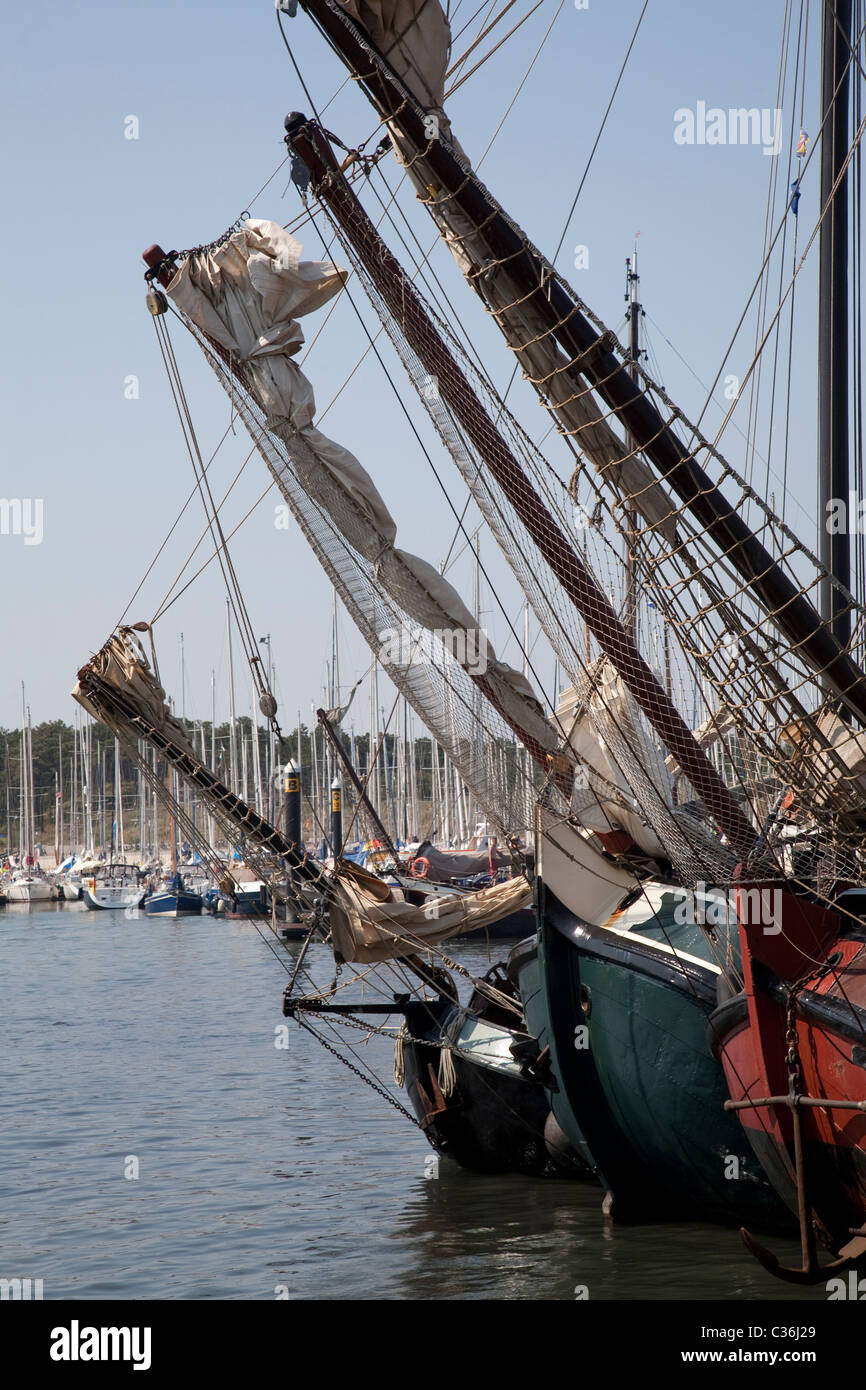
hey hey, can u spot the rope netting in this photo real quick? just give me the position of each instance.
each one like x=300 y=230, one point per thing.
x=624 y=731
x=456 y=708
x=745 y=645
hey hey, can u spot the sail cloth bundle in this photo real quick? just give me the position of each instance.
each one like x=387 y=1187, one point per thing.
x=600 y=716
x=414 y=38
x=247 y=296
x=830 y=763
x=371 y=922
x=121 y=667
x=627 y=781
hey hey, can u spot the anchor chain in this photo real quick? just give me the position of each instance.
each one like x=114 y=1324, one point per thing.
x=374 y=1085
x=793 y=1065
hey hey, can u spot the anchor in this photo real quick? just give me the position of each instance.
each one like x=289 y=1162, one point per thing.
x=810 y=1271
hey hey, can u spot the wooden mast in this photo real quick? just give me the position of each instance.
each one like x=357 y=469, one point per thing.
x=308 y=142
x=590 y=355
x=833 y=469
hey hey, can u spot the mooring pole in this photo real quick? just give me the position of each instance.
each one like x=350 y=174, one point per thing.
x=292 y=791
x=336 y=817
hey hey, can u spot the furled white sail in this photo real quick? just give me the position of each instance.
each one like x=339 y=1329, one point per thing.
x=414 y=37
x=246 y=295
x=590 y=885
x=370 y=921
x=122 y=666
x=604 y=729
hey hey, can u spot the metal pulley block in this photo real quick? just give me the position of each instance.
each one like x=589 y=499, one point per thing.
x=156 y=302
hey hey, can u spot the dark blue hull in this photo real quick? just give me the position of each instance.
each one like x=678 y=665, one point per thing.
x=173 y=904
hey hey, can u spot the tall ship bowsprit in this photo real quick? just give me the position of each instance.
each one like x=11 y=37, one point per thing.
x=686 y=818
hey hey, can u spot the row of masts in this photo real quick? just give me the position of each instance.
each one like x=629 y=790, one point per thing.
x=103 y=806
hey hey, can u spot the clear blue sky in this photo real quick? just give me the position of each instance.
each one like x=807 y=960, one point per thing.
x=210 y=84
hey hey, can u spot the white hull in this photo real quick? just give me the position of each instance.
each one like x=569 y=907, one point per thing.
x=107 y=899
x=30 y=891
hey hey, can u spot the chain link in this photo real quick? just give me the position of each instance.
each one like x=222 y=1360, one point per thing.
x=205 y=249
x=349 y=1021
x=792 y=1056
x=374 y=1085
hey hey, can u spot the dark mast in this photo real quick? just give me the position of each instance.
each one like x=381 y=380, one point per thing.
x=633 y=316
x=833 y=471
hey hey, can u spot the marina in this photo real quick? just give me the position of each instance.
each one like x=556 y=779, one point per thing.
x=476 y=839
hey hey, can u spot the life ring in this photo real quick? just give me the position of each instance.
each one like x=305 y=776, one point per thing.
x=415 y=867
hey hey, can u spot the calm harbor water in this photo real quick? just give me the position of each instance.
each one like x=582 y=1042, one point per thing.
x=264 y=1170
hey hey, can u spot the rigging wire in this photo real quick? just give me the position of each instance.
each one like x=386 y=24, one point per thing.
x=465 y=78
x=780 y=229
x=600 y=131
x=787 y=434
x=261 y=679
x=739 y=430
x=458 y=62
x=587 y=166
x=521 y=84
x=422 y=446
x=171 y=529
x=764 y=291
x=824 y=211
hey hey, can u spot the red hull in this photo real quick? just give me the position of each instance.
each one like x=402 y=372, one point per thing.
x=829 y=1017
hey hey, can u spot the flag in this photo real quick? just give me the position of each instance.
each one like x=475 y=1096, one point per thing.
x=795 y=199
x=801 y=144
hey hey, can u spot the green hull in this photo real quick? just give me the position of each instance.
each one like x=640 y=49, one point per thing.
x=638 y=1086
x=524 y=967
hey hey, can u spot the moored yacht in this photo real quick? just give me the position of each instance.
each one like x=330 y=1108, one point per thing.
x=173 y=899
x=113 y=886
x=29 y=886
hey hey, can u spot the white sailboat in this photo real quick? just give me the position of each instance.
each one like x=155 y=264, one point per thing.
x=28 y=887
x=28 y=884
x=113 y=886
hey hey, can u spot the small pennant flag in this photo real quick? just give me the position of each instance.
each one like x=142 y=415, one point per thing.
x=801 y=144
x=795 y=199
